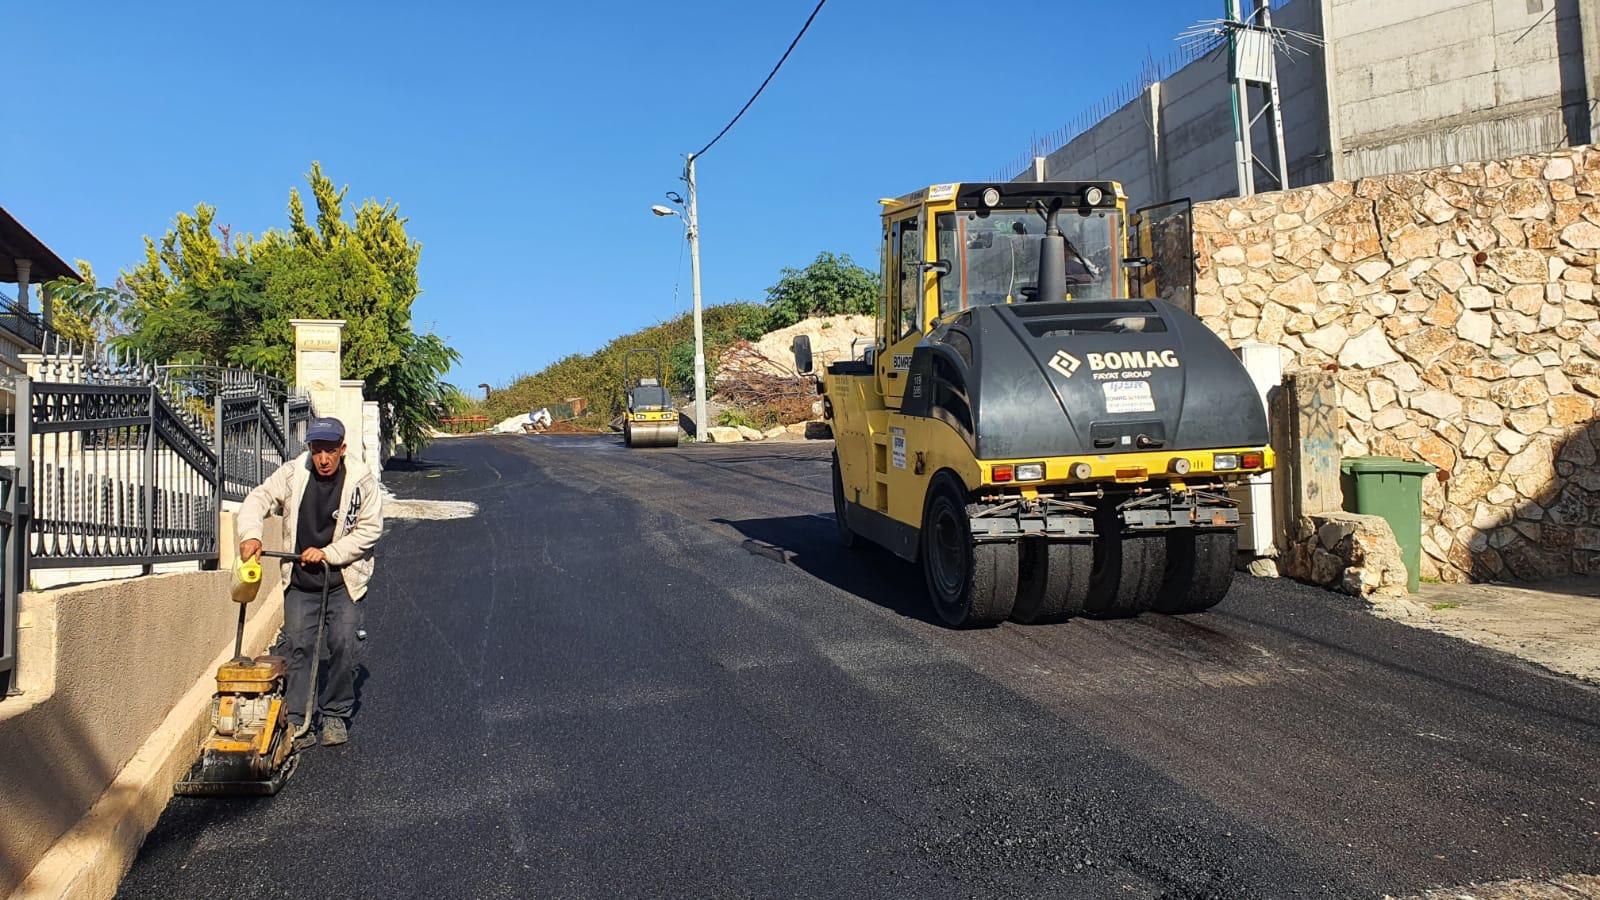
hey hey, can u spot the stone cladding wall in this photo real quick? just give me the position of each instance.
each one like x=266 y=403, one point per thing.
x=1458 y=309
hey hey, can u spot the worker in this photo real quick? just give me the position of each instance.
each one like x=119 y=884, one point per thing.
x=332 y=512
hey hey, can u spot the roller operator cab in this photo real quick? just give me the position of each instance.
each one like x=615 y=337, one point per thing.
x=1039 y=423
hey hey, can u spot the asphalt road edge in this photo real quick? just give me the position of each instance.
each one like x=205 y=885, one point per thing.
x=89 y=860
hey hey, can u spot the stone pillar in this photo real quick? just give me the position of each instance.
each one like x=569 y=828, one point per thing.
x=24 y=269
x=351 y=398
x=317 y=359
x=1305 y=436
x=372 y=433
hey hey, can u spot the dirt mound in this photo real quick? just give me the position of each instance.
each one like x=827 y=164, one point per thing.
x=831 y=339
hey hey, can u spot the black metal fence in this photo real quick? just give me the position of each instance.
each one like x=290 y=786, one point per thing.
x=12 y=568
x=130 y=464
x=120 y=463
x=27 y=326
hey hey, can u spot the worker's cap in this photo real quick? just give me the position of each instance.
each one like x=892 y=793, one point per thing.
x=328 y=429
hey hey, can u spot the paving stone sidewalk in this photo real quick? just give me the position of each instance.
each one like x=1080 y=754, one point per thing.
x=1555 y=624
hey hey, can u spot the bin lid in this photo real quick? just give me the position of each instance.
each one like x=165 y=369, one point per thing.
x=1385 y=465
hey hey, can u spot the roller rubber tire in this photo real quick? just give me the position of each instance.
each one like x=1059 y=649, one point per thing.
x=1129 y=568
x=971 y=585
x=1053 y=581
x=1199 y=570
x=847 y=537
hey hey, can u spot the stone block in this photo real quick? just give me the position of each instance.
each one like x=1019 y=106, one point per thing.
x=1368 y=350
x=1520 y=266
x=1475 y=327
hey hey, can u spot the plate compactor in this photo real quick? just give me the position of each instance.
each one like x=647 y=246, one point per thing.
x=650 y=420
x=250 y=751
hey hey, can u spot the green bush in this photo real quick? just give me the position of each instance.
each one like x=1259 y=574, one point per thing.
x=597 y=376
x=830 y=285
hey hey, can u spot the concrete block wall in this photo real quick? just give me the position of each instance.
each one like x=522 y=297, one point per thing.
x=1398 y=87
x=1176 y=138
x=1435 y=82
x=1119 y=148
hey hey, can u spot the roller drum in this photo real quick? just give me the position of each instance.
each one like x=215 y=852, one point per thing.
x=653 y=434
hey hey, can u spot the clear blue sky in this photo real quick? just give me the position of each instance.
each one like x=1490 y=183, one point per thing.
x=526 y=140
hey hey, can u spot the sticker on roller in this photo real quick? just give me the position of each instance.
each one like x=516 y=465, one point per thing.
x=898 y=447
x=1128 y=397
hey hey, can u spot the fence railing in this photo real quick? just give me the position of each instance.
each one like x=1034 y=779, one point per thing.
x=24 y=324
x=129 y=464
x=12 y=543
x=464 y=424
x=121 y=463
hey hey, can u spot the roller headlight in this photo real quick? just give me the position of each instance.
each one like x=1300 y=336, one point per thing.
x=991 y=197
x=1030 y=471
x=1092 y=196
x=1225 y=462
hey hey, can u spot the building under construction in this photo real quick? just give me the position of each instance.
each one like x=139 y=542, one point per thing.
x=1362 y=87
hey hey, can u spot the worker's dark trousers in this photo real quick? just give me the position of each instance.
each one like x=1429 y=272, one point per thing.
x=300 y=608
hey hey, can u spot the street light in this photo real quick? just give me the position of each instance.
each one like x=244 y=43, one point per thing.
x=691 y=227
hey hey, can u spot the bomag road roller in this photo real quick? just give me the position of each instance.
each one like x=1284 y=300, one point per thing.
x=1039 y=424
x=650 y=420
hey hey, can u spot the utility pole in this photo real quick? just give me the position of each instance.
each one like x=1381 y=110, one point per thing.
x=700 y=423
x=1241 y=108
x=1252 y=62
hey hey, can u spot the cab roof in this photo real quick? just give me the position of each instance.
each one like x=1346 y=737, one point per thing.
x=967 y=194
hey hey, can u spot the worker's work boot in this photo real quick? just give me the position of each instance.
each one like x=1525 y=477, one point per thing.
x=334 y=731
x=304 y=741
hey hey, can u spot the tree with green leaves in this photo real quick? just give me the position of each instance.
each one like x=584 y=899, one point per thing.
x=84 y=311
x=831 y=285
x=201 y=296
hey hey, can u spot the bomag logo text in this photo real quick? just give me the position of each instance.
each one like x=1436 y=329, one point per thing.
x=1133 y=359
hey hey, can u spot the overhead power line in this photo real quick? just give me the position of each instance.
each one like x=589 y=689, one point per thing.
x=765 y=82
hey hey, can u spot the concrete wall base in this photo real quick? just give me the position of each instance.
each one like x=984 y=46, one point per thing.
x=115 y=680
x=88 y=862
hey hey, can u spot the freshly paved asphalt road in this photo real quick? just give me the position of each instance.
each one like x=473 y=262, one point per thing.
x=595 y=689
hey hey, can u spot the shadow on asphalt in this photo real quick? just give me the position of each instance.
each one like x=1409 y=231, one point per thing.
x=413 y=465
x=866 y=571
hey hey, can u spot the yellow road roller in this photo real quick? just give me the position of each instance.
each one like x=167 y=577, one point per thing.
x=650 y=420
x=1040 y=424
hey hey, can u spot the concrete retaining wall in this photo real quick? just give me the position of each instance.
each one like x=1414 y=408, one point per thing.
x=1434 y=82
x=1397 y=87
x=102 y=668
x=1458 y=308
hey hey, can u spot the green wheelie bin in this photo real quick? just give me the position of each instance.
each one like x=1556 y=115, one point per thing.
x=1390 y=488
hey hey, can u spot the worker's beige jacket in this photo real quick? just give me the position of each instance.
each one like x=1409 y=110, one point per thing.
x=360 y=517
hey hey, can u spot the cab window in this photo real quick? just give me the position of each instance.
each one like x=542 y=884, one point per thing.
x=994 y=256
x=908 y=250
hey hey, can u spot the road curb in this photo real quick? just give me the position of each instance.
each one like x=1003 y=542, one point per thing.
x=88 y=862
